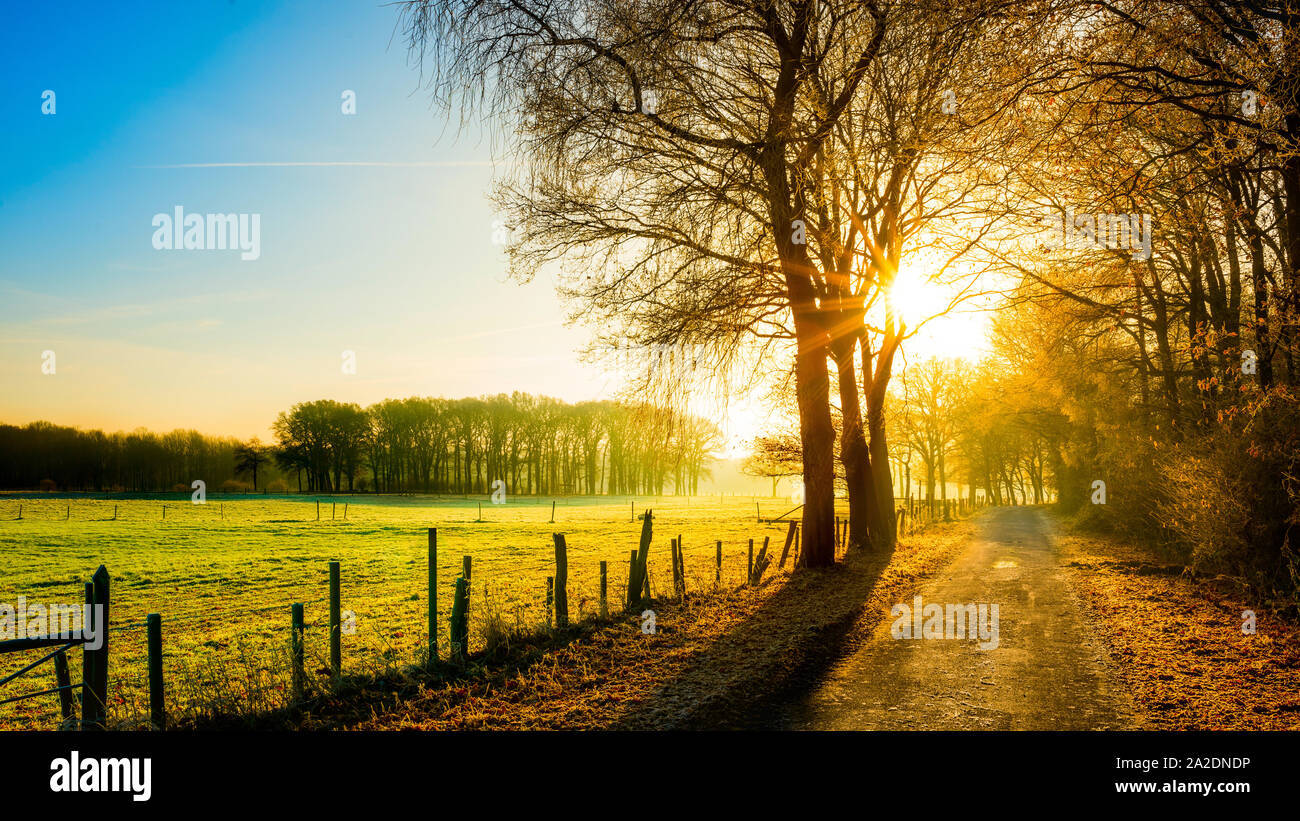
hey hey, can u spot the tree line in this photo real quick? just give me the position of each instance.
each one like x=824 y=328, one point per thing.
x=534 y=444
x=1166 y=386
x=44 y=456
x=949 y=437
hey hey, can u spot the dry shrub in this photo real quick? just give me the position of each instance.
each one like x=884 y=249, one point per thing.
x=496 y=633
x=1134 y=487
x=1232 y=495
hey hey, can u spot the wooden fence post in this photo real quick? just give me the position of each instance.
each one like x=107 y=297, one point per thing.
x=94 y=674
x=102 y=621
x=640 y=575
x=550 y=600
x=604 y=589
x=333 y=506
x=717 y=571
x=749 y=575
x=681 y=560
x=561 y=580
x=336 y=624
x=157 y=702
x=789 y=542
x=433 y=595
x=631 y=581
x=761 y=562
x=296 y=649
x=460 y=619
x=552 y=511
x=318 y=510
x=647 y=593
x=676 y=569
x=64 y=682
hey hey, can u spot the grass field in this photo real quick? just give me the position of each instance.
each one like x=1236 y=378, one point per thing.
x=224 y=574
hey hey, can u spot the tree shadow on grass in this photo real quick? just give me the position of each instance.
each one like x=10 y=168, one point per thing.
x=746 y=678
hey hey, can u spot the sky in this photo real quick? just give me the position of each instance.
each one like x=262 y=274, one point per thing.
x=375 y=232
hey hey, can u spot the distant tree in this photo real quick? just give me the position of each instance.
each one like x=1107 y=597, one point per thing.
x=775 y=457
x=250 y=457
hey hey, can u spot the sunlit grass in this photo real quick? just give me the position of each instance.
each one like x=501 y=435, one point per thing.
x=224 y=585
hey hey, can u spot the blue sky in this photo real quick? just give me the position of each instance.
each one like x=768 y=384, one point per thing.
x=394 y=262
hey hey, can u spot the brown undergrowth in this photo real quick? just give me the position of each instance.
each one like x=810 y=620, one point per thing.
x=1177 y=640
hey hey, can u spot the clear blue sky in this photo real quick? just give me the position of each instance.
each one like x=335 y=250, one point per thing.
x=394 y=262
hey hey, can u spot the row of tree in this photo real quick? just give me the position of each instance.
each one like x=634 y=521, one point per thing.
x=1168 y=385
x=949 y=419
x=532 y=444
x=43 y=455
x=951 y=434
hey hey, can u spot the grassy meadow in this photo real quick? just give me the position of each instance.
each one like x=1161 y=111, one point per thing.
x=224 y=574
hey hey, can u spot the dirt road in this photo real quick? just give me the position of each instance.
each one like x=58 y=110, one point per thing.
x=1047 y=671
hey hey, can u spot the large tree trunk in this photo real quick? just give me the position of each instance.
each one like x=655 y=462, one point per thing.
x=812 y=392
x=1290 y=298
x=863 y=505
x=1164 y=350
x=1263 y=341
x=883 y=527
x=1291 y=270
x=817 y=435
x=812 y=381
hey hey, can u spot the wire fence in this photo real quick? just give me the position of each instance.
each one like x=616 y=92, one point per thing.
x=228 y=656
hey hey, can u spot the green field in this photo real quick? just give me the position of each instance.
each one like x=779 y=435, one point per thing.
x=224 y=574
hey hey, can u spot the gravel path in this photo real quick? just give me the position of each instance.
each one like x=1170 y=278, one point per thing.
x=1048 y=671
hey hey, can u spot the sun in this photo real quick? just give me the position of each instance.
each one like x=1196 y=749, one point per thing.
x=942 y=321
x=916 y=298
